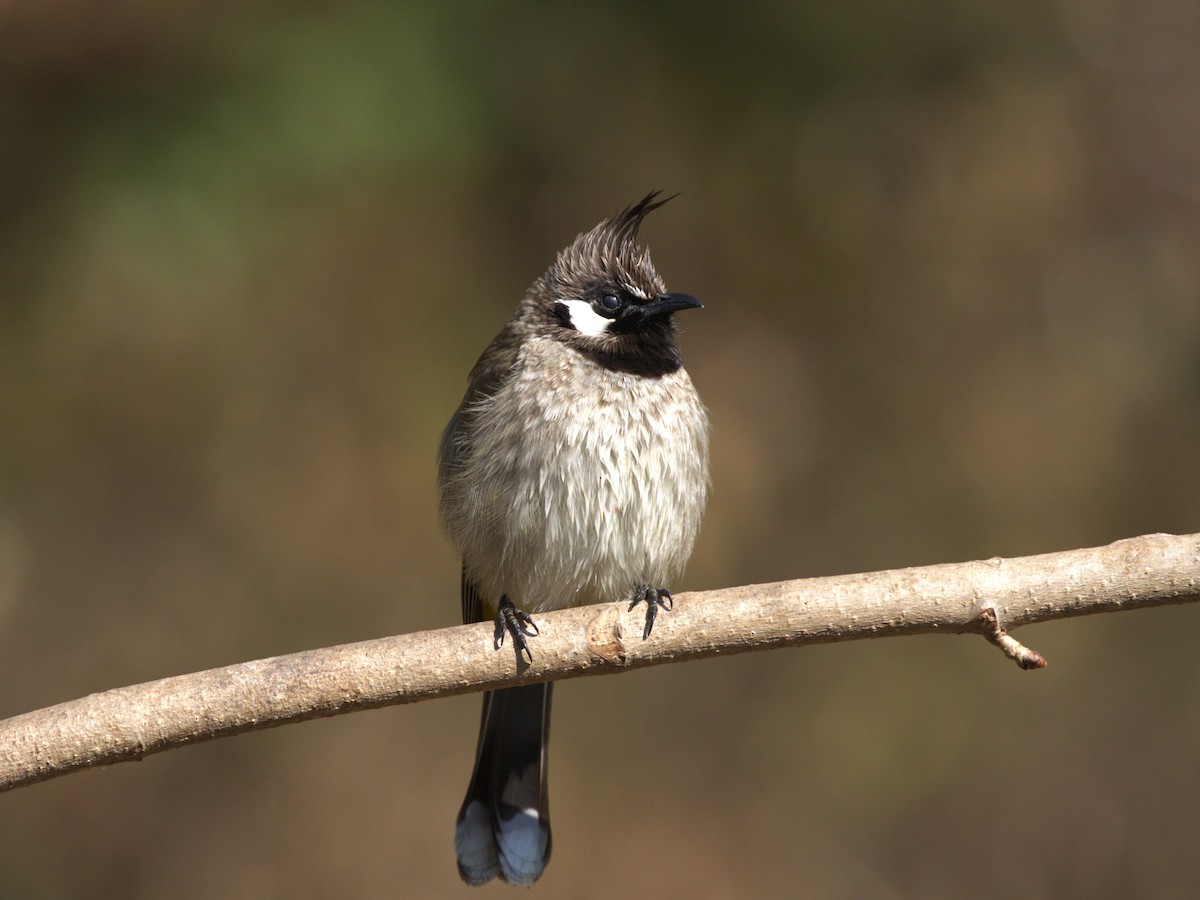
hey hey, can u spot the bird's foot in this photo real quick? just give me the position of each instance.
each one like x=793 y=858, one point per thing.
x=518 y=623
x=653 y=598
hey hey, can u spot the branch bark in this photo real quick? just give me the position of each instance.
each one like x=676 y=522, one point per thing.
x=986 y=597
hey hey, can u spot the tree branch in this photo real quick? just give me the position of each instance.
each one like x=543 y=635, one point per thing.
x=985 y=597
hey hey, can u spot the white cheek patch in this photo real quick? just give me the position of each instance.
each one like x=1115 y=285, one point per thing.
x=585 y=319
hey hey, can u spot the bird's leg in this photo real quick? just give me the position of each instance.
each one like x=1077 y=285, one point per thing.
x=653 y=598
x=517 y=622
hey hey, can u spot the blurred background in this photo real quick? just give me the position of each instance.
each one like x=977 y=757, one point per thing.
x=949 y=253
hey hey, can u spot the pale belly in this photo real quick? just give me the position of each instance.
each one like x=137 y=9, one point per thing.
x=584 y=507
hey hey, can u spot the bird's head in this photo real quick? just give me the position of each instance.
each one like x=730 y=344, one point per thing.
x=604 y=297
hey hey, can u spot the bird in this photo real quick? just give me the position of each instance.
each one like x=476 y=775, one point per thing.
x=574 y=471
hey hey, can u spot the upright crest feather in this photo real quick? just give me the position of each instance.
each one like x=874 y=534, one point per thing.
x=625 y=224
x=611 y=251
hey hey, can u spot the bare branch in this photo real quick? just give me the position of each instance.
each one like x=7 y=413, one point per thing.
x=985 y=597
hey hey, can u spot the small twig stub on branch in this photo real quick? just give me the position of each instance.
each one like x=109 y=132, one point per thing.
x=1023 y=656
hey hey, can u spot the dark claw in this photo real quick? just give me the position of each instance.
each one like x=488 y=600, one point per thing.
x=517 y=622
x=653 y=598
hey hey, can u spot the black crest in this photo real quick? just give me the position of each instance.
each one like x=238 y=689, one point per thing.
x=625 y=224
x=611 y=253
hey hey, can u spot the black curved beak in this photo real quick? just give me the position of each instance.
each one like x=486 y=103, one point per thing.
x=670 y=303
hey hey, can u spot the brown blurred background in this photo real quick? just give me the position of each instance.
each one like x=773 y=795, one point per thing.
x=949 y=252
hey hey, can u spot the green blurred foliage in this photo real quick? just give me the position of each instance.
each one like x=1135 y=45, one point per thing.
x=948 y=250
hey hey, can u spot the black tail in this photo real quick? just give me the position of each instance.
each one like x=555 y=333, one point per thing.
x=503 y=827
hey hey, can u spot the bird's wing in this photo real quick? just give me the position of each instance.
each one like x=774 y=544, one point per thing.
x=493 y=368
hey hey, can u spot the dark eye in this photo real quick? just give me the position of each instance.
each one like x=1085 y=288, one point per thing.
x=610 y=302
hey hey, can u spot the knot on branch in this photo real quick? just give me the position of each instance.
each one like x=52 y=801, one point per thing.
x=605 y=637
